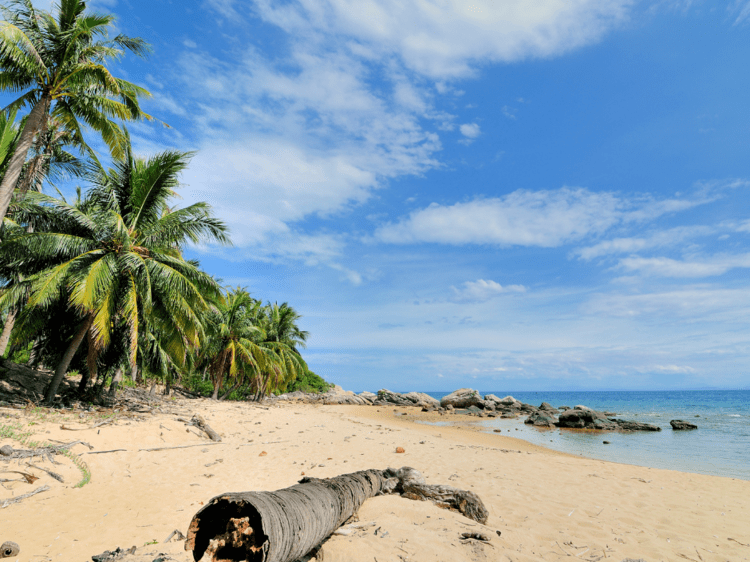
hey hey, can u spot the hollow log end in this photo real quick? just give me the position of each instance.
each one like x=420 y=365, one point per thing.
x=8 y=549
x=225 y=530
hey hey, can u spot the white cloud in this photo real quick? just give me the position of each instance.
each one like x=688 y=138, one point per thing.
x=483 y=290
x=667 y=267
x=524 y=218
x=470 y=130
x=664 y=238
x=445 y=39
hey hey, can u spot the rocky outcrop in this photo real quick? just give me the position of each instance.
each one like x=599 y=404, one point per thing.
x=422 y=399
x=462 y=398
x=541 y=419
x=582 y=417
x=386 y=396
x=682 y=424
x=371 y=396
x=344 y=399
x=501 y=403
x=549 y=408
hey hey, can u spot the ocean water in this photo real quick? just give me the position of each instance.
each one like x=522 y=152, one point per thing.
x=719 y=447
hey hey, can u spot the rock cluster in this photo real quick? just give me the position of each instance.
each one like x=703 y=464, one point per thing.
x=681 y=424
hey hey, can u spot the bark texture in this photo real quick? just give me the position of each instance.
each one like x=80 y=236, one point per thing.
x=62 y=368
x=10 y=321
x=34 y=123
x=285 y=525
x=9 y=549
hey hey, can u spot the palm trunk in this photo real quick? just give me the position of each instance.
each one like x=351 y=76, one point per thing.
x=230 y=391
x=7 y=329
x=92 y=369
x=116 y=379
x=33 y=124
x=62 y=367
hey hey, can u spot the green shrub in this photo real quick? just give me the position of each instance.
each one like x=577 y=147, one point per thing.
x=309 y=382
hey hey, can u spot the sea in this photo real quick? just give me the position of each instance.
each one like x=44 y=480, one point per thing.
x=719 y=447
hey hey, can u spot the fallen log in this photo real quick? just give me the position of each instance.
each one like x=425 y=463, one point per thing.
x=8 y=549
x=200 y=423
x=284 y=525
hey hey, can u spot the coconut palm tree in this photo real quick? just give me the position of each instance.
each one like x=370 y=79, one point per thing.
x=114 y=258
x=58 y=63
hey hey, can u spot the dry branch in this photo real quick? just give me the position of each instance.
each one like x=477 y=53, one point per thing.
x=285 y=525
x=200 y=423
x=105 y=422
x=11 y=501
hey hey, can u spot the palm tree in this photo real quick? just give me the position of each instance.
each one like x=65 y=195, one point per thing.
x=59 y=65
x=114 y=258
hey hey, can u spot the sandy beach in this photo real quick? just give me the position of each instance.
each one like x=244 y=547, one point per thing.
x=546 y=505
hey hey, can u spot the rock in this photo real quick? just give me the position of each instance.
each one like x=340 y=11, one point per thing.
x=540 y=419
x=422 y=399
x=449 y=407
x=462 y=398
x=547 y=407
x=681 y=424
x=6 y=450
x=400 y=450
x=605 y=442
x=397 y=398
x=528 y=408
x=634 y=426
x=369 y=396
x=344 y=399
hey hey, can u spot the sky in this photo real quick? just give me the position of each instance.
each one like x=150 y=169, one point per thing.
x=497 y=194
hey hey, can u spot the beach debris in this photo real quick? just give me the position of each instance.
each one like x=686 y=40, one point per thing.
x=6 y=450
x=105 y=422
x=17 y=499
x=738 y=542
x=54 y=475
x=200 y=423
x=284 y=525
x=475 y=536
x=9 y=549
x=400 y=450
x=30 y=478
x=111 y=556
x=606 y=442
x=176 y=535
x=682 y=424
x=262 y=454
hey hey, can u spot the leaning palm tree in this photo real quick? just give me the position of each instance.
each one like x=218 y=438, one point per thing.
x=114 y=258
x=231 y=351
x=58 y=63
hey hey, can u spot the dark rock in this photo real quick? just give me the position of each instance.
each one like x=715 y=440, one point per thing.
x=462 y=398
x=528 y=408
x=393 y=398
x=605 y=442
x=681 y=424
x=635 y=426
x=6 y=450
x=576 y=418
x=473 y=409
x=549 y=408
x=541 y=419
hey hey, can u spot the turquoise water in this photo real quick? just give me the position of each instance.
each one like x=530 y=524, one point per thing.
x=720 y=446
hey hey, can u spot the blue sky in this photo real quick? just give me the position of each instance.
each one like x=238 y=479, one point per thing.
x=507 y=195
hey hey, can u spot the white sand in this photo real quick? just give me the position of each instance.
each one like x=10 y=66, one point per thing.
x=547 y=505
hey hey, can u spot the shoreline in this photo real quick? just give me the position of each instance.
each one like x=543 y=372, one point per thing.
x=540 y=499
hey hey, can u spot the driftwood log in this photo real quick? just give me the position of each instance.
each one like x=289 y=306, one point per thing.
x=8 y=549
x=200 y=423
x=284 y=525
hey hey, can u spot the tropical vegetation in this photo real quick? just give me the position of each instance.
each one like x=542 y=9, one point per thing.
x=99 y=284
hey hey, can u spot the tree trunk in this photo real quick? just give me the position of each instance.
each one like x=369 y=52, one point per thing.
x=7 y=328
x=33 y=124
x=62 y=367
x=285 y=525
x=215 y=395
x=230 y=391
x=152 y=390
x=92 y=369
x=116 y=379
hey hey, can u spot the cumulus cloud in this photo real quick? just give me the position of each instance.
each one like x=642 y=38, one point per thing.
x=446 y=39
x=470 y=130
x=483 y=290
